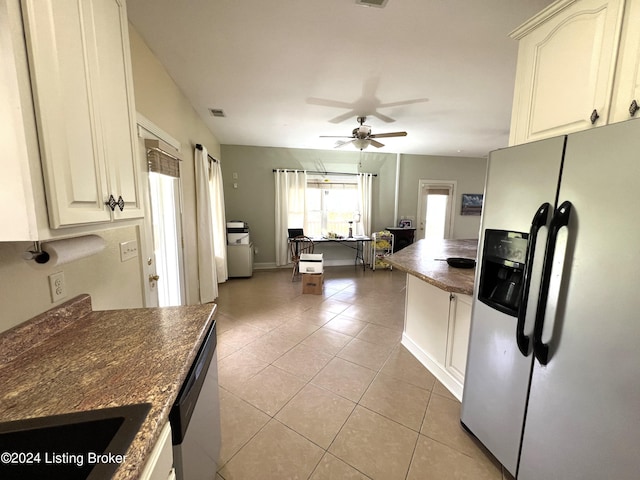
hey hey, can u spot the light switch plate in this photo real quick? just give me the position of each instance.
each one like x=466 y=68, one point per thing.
x=128 y=250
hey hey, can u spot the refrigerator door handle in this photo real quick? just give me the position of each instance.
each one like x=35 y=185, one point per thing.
x=560 y=219
x=539 y=220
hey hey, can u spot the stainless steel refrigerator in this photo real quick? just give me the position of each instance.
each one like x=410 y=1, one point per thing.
x=552 y=384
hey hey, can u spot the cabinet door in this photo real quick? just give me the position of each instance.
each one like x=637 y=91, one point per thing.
x=459 y=325
x=114 y=88
x=627 y=82
x=427 y=318
x=17 y=206
x=565 y=69
x=60 y=38
x=83 y=96
x=160 y=463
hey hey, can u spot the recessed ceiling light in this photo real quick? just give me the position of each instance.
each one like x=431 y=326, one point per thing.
x=217 y=112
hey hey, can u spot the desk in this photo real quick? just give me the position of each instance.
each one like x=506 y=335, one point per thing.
x=357 y=243
x=402 y=237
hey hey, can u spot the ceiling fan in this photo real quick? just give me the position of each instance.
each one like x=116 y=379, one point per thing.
x=361 y=137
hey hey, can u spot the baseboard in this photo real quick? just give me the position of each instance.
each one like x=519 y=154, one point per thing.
x=433 y=366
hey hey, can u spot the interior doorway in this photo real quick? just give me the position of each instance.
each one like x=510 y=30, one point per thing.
x=436 y=200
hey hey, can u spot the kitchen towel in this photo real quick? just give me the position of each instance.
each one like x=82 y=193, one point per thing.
x=64 y=251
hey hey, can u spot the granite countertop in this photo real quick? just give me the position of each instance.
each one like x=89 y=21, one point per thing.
x=425 y=260
x=73 y=359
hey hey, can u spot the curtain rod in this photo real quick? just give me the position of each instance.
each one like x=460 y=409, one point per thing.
x=326 y=173
x=199 y=147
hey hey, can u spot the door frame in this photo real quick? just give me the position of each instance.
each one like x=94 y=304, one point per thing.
x=453 y=184
x=148 y=130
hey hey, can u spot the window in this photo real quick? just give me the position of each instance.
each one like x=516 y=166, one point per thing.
x=332 y=202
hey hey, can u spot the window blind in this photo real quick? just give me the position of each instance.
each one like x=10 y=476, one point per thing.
x=160 y=160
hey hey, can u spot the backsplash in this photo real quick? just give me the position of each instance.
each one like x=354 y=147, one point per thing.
x=24 y=285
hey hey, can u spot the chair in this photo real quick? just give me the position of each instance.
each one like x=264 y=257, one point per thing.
x=297 y=246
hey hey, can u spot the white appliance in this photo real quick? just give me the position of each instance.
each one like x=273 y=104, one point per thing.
x=238 y=233
x=240 y=260
x=552 y=384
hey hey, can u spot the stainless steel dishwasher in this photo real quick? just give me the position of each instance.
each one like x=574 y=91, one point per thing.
x=195 y=417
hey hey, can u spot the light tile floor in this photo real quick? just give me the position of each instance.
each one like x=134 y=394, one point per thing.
x=318 y=386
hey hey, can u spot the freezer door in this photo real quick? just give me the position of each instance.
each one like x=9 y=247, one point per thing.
x=583 y=419
x=519 y=180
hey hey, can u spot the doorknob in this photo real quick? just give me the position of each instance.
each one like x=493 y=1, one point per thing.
x=154 y=278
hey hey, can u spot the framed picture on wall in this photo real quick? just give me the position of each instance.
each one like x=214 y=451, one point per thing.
x=471 y=204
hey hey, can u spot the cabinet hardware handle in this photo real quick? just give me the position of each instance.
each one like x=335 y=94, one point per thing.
x=154 y=278
x=633 y=108
x=594 y=116
x=120 y=203
x=111 y=203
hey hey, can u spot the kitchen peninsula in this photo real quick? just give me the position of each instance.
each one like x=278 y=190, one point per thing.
x=438 y=306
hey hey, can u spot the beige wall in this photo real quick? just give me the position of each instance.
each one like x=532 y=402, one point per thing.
x=469 y=173
x=160 y=100
x=254 y=199
x=24 y=285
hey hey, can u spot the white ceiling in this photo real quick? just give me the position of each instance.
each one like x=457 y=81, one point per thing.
x=287 y=71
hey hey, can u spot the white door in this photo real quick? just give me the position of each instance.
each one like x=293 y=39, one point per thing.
x=435 y=207
x=163 y=258
x=166 y=217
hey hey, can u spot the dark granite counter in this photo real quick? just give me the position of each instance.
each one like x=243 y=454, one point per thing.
x=425 y=259
x=73 y=359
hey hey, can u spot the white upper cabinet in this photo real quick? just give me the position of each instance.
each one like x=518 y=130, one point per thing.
x=626 y=92
x=566 y=68
x=80 y=69
x=17 y=205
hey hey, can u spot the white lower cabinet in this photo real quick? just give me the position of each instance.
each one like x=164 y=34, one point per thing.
x=160 y=463
x=458 y=335
x=436 y=331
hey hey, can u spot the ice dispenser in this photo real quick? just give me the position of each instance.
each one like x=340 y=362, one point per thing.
x=502 y=271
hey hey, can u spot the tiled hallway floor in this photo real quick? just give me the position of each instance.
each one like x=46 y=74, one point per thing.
x=318 y=386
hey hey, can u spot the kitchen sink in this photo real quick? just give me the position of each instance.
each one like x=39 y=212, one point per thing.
x=74 y=446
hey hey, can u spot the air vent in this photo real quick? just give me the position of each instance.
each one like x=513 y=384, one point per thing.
x=372 y=3
x=217 y=112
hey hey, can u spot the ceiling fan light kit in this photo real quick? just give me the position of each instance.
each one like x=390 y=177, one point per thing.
x=361 y=137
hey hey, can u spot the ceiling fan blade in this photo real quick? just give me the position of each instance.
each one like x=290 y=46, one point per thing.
x=390 y=134
x=340 y=144
x=328 y=103
x=403 y=102
x=376 y=144
x=384 y=118
x=336 y=136
x=343 y=117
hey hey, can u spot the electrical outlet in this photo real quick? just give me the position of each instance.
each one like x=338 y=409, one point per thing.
x=57 y=286
x=128 y=250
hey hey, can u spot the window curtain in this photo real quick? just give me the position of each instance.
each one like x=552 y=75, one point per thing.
x=212 y=263
x=219 y=220
x=291 y=189
x=365 y=189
